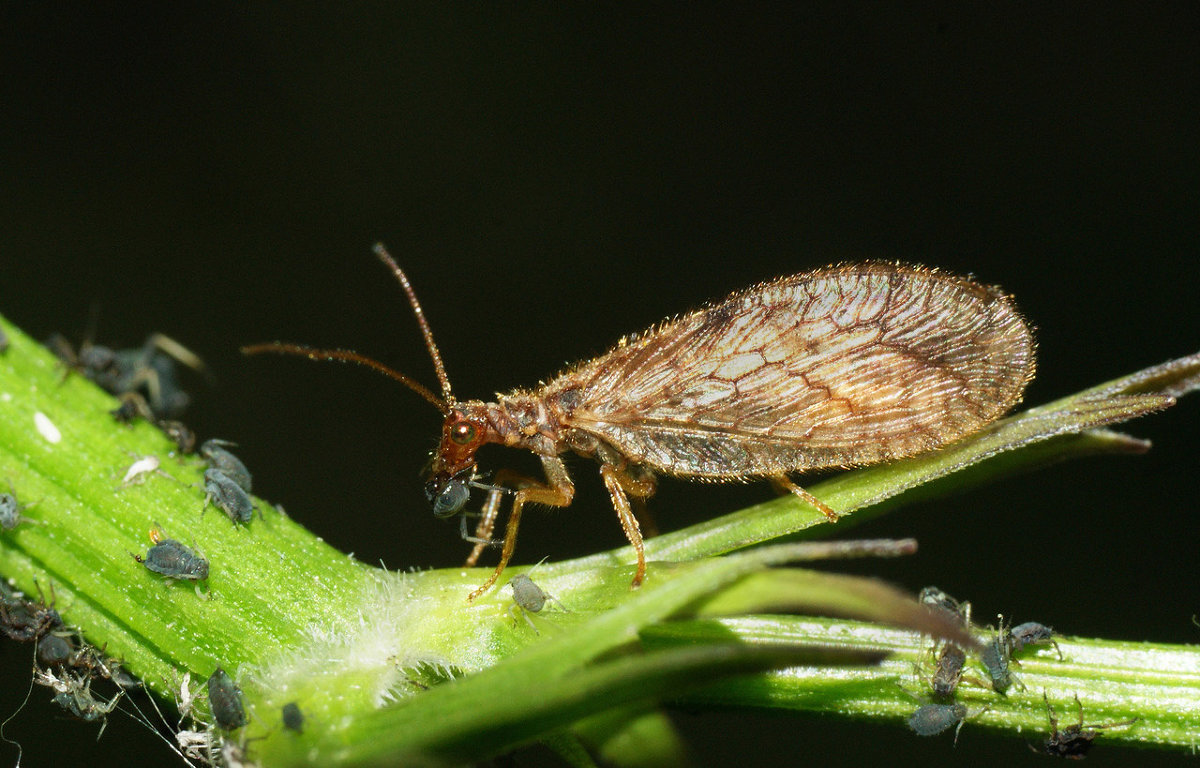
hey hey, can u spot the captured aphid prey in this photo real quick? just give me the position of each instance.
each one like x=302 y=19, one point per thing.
x=843 y=366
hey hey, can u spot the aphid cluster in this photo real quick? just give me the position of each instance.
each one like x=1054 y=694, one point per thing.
x=63 y=662
x=25 y=620
x=147 y=372
x=996 y=656
x=227 y=482
x=843 y=366
x=144 y=379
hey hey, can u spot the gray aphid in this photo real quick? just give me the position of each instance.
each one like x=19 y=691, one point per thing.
x=227 y=495
x=219 y=458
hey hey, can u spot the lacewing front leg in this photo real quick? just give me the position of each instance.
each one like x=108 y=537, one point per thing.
x=558 y=491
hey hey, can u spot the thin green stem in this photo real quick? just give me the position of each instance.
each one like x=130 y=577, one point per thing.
x=387 y=665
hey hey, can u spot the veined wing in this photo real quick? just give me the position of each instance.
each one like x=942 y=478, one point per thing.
x=842 y=366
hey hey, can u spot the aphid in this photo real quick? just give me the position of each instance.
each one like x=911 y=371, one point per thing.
x=528 y=597
x=934 y=598
x=80 y=702
x=227 y=495
x=219 y=458
x=182 y=435
x=148 y=370
x=173 y=560
x=293 y=718
x=995 y=658
x=843 y=366
x=10 y=510
x=1074 y=741
x=1032 y=633
x=226 y=701
x=932 y=719
x=55 y=651
x=25 y=620
x=949 y=671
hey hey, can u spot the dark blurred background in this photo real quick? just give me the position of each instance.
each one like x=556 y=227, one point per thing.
x=554 y=178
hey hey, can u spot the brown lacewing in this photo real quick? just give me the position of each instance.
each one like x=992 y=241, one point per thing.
x=843 y=366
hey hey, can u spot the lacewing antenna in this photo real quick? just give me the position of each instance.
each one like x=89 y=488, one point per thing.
x=438 y=367
x=346 y=356
x=443 y=404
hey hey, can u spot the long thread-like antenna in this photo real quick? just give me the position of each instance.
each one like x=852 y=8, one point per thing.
x=438 y=367
x=345 y=356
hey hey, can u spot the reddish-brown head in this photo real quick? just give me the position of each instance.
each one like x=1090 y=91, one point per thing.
x=453 y=467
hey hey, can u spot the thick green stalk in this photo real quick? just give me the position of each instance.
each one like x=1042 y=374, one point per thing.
x=369 y=654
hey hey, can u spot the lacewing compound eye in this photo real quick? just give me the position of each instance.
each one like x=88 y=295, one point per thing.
x=839 y=367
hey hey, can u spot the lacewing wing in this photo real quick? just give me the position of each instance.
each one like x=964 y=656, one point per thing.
x=844 y=366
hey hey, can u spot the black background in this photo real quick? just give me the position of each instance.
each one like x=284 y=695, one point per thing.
x=554 y=178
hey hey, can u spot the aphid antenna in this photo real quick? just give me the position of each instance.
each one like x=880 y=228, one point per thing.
x=443 y=403
x=20 y=707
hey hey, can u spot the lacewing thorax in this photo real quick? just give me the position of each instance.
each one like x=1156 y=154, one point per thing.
x=838 y=367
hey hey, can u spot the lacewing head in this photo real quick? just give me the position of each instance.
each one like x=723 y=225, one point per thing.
x=452 y=470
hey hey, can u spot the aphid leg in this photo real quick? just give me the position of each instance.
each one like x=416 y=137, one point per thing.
x=619 y=483
x=487 y=524
x=785 y=483
x=557 y=493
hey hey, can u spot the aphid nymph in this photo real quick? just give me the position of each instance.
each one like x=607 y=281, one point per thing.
x=293 y=718
x=996 y=657
x=838 y=367
x=529 y=598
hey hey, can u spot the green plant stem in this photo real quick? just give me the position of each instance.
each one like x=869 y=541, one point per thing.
x=1157 y=683
x=357 y=647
